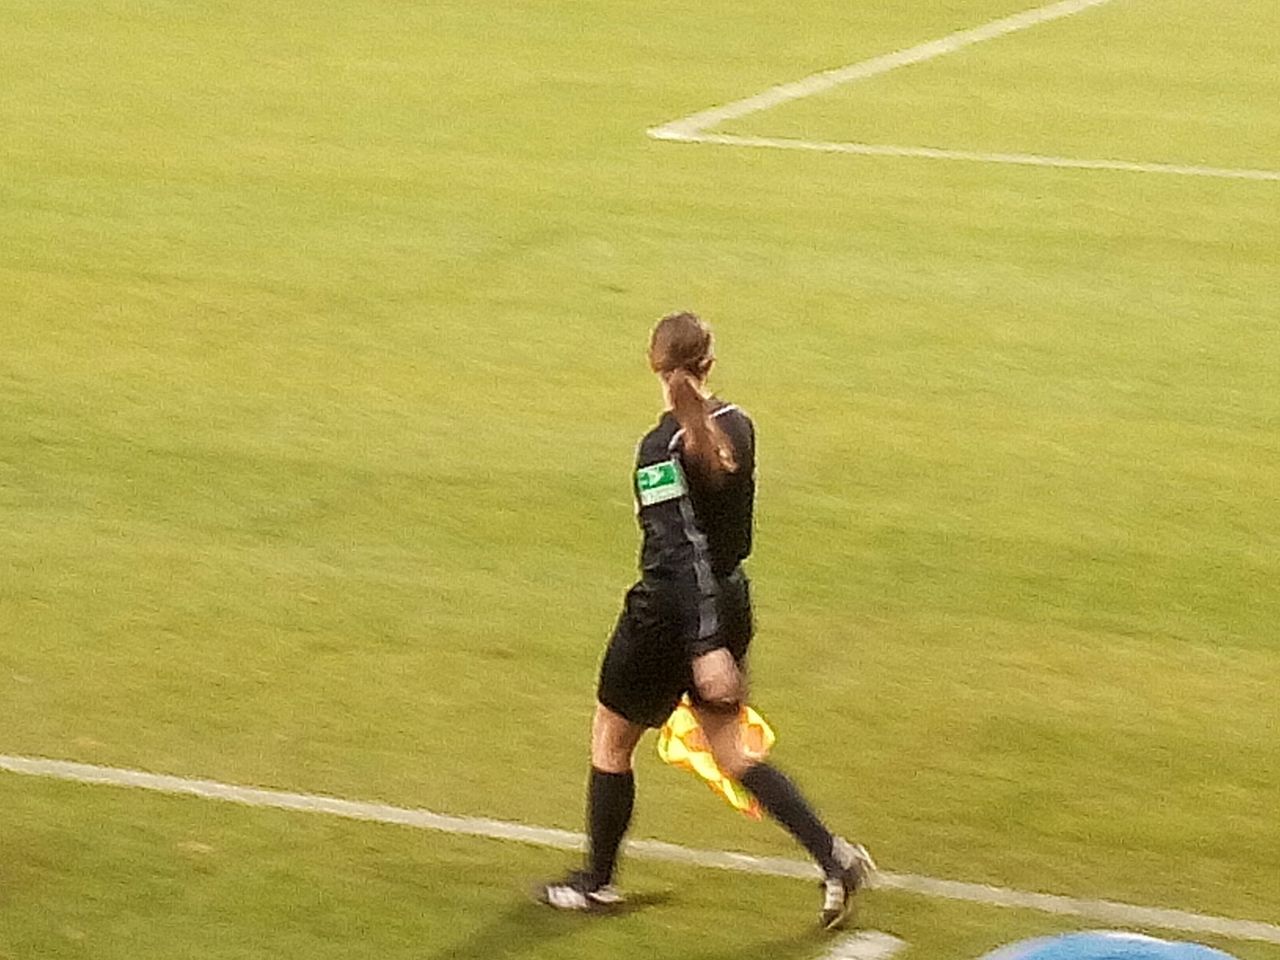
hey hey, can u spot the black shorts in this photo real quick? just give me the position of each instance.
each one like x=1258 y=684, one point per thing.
x=664 y=624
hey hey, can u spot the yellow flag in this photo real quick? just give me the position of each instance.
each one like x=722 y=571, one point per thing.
x=682 y=744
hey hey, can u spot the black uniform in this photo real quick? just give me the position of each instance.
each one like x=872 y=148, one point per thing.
x=692 y=596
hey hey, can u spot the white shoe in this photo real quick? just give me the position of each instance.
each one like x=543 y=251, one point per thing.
x=838 y=889
x=576 y=893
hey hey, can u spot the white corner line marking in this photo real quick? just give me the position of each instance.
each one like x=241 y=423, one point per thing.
x=866 y=945
x=696 y=127
x=976 y=156
x=690 y=127
x=1105 y=911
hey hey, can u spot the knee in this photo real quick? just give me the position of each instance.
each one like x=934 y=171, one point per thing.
x=721 y=696
x=608 y=759
x=733 y=762
x=613 y=741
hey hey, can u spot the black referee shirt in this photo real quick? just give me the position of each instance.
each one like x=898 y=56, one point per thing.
x=689 y=523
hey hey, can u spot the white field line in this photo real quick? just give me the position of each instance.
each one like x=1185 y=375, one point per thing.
x=975 y=156
x=696 y=127
x=1104 y=911
x=867 y=945
x=689 y=127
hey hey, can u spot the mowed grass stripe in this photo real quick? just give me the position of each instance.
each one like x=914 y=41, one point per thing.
x=1104 y=911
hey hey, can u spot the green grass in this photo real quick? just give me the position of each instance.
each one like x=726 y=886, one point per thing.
x=1164 y=82
x=321 y=364
x=219 y=881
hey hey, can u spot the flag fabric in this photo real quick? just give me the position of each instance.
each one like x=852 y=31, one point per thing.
x=682 y=744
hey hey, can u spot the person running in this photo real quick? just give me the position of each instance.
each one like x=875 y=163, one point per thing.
x=686 y=625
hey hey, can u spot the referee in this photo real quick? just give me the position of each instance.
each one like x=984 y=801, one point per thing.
x=686 y=625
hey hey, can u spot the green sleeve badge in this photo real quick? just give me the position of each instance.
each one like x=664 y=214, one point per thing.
x=660 y=482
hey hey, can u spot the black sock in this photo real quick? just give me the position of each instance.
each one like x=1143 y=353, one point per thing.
x=610 y=797
x=784 y=802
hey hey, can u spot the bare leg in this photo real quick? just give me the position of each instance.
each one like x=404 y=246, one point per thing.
x=613 y=740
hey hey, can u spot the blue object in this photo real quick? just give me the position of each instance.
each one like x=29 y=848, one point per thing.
x=1105 y=946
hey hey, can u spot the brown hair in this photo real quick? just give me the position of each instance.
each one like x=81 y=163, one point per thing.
x=681 y=351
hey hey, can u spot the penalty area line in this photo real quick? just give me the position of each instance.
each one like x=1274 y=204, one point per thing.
x=697 y=127
x=1104 y=911
x=688 y=127
x=972 y=156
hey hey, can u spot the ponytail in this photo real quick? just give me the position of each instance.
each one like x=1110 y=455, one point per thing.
x=705 y=444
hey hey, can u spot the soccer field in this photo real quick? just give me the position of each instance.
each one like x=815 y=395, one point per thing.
x=322 y=338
